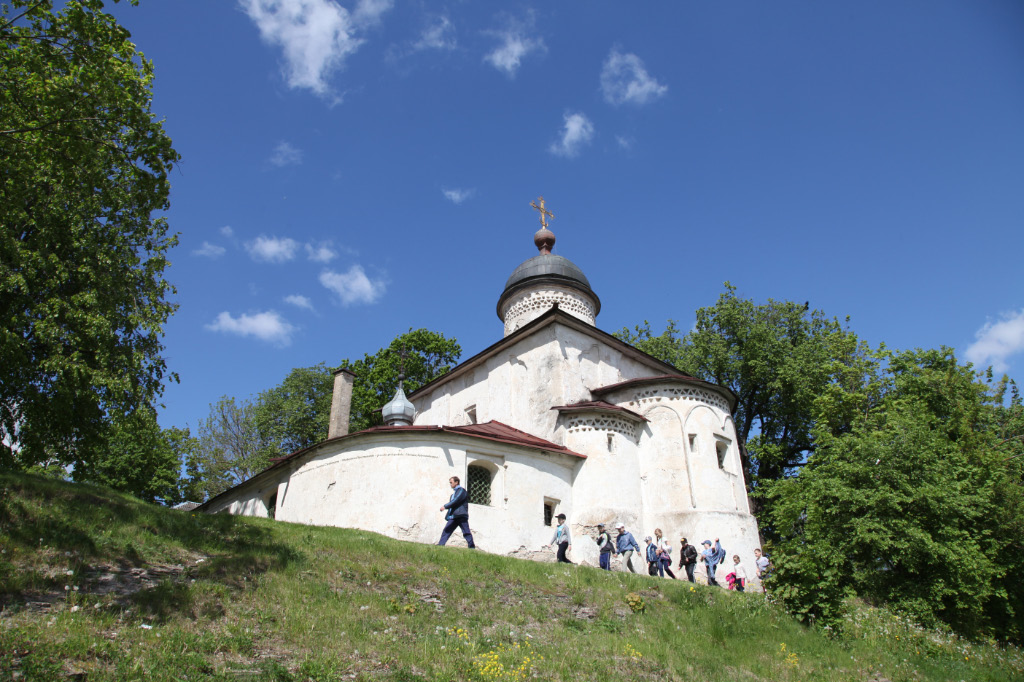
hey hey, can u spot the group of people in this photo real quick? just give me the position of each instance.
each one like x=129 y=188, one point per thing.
x=658 y=552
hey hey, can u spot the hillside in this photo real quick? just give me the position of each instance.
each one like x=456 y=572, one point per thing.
x=96 y=585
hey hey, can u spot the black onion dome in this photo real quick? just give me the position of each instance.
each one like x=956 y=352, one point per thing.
x=547 y=268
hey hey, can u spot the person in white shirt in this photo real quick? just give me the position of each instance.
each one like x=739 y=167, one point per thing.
x=740 y=572
x=664 y=550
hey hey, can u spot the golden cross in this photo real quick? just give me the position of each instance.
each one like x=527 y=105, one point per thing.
x=544 y=213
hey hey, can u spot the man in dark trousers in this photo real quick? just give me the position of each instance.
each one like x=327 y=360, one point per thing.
x=688 y=559
x=458 y=514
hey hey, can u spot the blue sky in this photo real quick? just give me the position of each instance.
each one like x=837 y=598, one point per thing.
x=355 y=169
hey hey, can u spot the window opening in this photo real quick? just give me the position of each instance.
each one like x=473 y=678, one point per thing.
x=723 y=449
x=611 y=442
x=549 y=513
x=471 y=414
x=272 y=506
x=478 y=484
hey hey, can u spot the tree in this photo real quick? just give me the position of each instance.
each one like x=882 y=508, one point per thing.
x=83 y=299
x=136 y=457
x=428 y=356
x=914 y=506
x=295 y=413
x=777 y=358
x=229 y=447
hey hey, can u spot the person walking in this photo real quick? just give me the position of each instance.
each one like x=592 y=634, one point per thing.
x=562 y=540
x=458 y=514
x=739 y=572
x=653 y=564
x=687 y=558
x=625 y=544
x=605 y=547
x=664 y=554
x=711 y=558
x=762 y=567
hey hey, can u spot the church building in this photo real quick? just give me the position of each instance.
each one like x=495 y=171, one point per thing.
x=556 y=417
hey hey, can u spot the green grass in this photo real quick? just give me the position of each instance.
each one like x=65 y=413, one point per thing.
x=249 y=599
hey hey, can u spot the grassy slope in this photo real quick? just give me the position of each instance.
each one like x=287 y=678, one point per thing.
x=241 y=599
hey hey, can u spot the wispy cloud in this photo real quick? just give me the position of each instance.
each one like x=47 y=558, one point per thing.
x=577 y=131
x=625 y=80
x=997 y=341
x=353 y=286
x=624 y=142
x=266 y=326
x=272 y=249
x=227 y=231
x=285 y=154
x=514 y=44
x=438 y=35
x=299 y=301
x=208 y=250
x=457 y=196
x=321 y=253
x=316 y=36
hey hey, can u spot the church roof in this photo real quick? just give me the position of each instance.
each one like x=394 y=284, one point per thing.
x=599 y=406
x=492 y=430
x=547 y=268
x=660 y=370
x=666 y=378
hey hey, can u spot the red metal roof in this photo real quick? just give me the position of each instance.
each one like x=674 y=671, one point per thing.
x=492 y=430
x=598 y=406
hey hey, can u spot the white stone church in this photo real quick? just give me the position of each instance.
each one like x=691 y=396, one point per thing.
x=556 y=417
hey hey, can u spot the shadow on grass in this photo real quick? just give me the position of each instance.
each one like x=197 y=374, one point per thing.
x=93 y=523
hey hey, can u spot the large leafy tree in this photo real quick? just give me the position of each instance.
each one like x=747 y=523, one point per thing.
x=917 y=505
x=294 y=414
x=136 y=457
x=777 y=357
x=428 y=355
x=83 y=298
x=229 y=448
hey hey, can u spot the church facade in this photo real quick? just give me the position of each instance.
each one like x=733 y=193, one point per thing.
x=556 y=417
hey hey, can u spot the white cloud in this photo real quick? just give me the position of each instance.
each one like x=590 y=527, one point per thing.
x=353 y=286
x=439 y=35
x=457 y=196
x=995 y=342
x=323 y=253
x=299 y=301
x=515 y=44
x=625 y=80
x=227 y=231
x=286 y=154
x=624 y=142
x=266 y=326
x=576 y=132
x=209 y=250
x=316 y=36
x=272 y=249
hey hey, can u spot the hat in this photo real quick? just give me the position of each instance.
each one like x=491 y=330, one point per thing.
x=621 y=526
x=562 y=516
x=647 y=539
x=706 y=542
x=600 y=525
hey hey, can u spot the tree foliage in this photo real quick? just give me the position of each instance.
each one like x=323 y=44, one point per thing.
x=917 y=505
x=82 y=295
x=295 y=413
x=229 y=448
x=428 y=355
x=136 y=457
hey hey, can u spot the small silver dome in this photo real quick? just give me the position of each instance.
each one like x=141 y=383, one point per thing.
x=399 y=412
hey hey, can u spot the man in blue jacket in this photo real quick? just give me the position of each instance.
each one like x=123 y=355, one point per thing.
x=712 y=557
x=458 y=514
x=625 y=544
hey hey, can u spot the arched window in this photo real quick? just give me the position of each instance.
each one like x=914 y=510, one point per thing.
x=478 y=484
x=272 y=505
